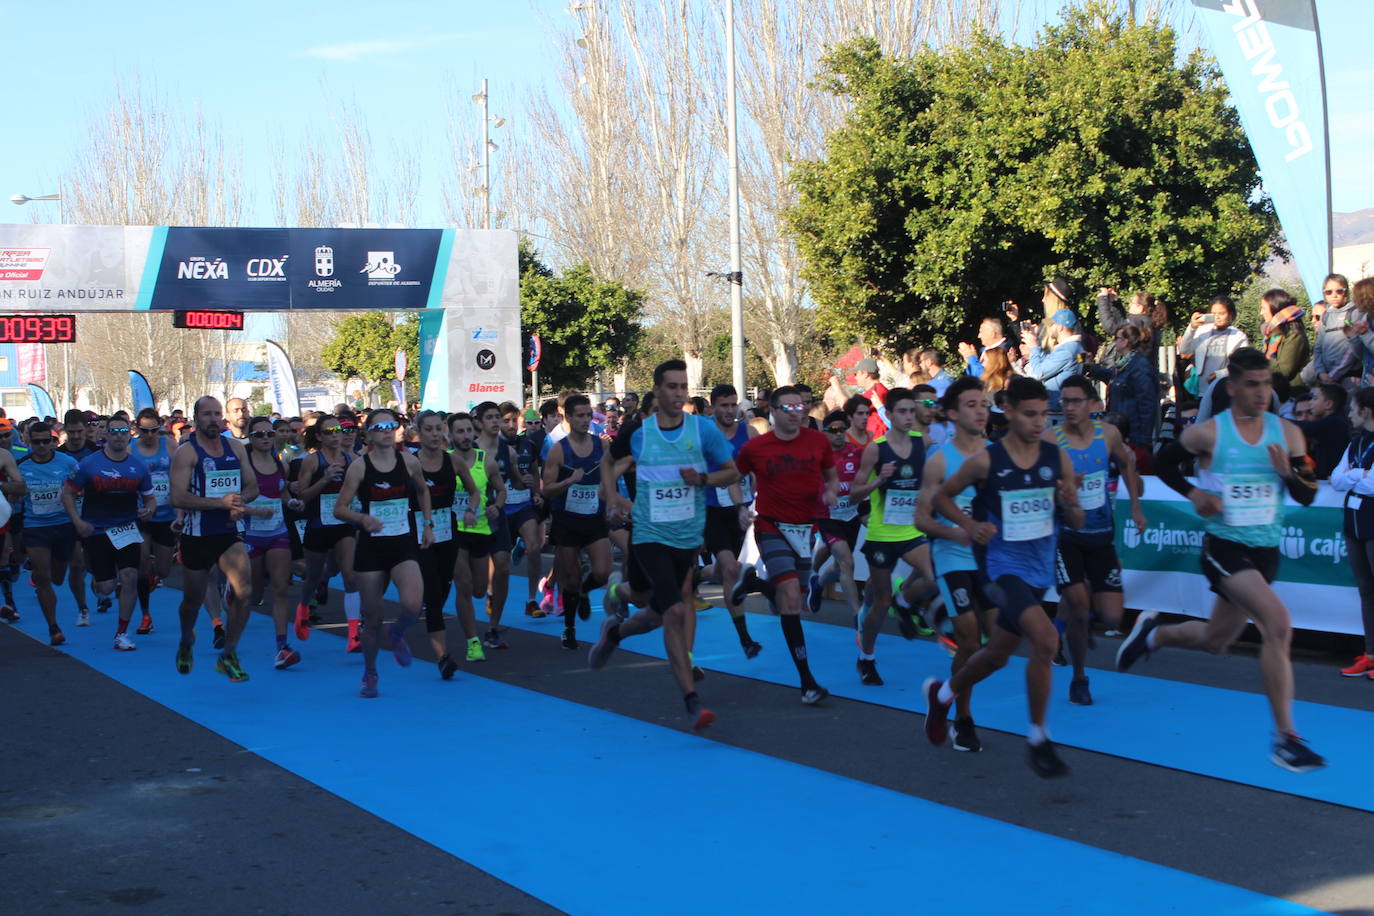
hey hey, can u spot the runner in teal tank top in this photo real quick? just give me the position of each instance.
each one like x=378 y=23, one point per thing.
x=1247 y=460
x=671 y=452
x=951 y=551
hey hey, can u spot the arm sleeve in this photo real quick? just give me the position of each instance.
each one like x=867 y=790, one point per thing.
x=974 y=366
x=1061 y=359
x=744 y=461
x=1187 y=344
x=1169 y=467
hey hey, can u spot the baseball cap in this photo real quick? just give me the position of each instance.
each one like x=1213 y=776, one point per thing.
x=531 y=416
x=6 y=424
x=1065 y=317
x=867 y=364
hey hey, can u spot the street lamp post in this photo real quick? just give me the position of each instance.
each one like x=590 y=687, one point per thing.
x=20 y=199
x=488 y=147
x=732 y=143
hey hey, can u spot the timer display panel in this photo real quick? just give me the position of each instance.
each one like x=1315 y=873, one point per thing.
x=207 y=320
x=43 y=329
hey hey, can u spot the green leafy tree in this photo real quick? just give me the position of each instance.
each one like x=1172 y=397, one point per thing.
x=968 y=176
x=584 y=323
x=364 y=345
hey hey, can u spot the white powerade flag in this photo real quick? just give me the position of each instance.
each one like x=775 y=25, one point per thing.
x=1270 y=55
x=282 y=376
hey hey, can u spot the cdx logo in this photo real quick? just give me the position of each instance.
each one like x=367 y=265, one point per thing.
x=264 y=268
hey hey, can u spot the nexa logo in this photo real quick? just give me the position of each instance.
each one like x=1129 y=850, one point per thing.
x=1252 y=34
x=200 y=269
x=267 y=268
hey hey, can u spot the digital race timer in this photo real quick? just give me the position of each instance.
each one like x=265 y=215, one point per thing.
x=207 y=320
x=37 y=328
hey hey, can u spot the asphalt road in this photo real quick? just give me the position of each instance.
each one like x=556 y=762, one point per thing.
x=110 y=801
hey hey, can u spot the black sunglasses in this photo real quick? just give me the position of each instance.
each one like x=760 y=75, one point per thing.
x=837 y=429
x=261 y=434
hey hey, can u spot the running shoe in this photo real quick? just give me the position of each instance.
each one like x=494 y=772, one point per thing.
x=702 y=604
x=302 y=622
x=83 y=618
x=1293 y=754
x=123 y=643
x=228 y=665
x=698 y=675
x=1044 y=760
x=447 y=667
x=1079 y=695
x=937 y=712
x=55 y=638
x=813 y=695
x=584 y=607
x=1138 y=643
x=517 y=552
x=601 y=652
x=103 y=604
x=1364 y=665
x=399 y=650
x=966 y=736
x=569 y=638
x=906 y=620
x=185 y=659
x=368 y=690
x=286 y=657
x=532 y=609
x=1113 y=632
x=868 y=672
x=8 y=614
x=145 y=626
x=748 y=582
x=218 y=642
x=612 y=604
x=475 y=653
x=751 y=649
x=814 y=593
x=354 y=643
x=492 y=640
x=949 y=645
x=700 y=715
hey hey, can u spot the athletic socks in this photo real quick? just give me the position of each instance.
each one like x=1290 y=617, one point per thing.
x=1037 y=734
x=946 y=695
x=353 y=607
x=145 y=588
x=692 y=702
x=281 y=641
x=796 y=644
x=742 y=628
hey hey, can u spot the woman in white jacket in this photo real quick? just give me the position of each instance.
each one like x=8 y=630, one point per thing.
x=1352 y=477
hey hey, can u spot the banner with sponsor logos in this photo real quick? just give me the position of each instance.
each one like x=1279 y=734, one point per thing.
x=468 y=278
x=281 y=377
x=1269 y=52
x=1161 y=566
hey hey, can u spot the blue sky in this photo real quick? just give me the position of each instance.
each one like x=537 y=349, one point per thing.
x=267 y=70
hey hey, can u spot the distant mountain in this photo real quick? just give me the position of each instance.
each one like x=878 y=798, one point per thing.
x=1352 y=228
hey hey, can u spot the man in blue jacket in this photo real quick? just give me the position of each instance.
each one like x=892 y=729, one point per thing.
x=1062 y=360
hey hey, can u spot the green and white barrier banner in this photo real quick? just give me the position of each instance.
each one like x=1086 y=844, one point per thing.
x=1161 y=568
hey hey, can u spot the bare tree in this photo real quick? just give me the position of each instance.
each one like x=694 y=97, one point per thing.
x=144 y=163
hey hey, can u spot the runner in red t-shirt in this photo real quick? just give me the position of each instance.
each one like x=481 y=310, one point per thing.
x=866 y=374
x=789 y=465
x=839 y=525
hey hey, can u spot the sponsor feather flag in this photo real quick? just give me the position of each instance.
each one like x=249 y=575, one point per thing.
x=281 y=376
x=143 y=392
x=41 y=402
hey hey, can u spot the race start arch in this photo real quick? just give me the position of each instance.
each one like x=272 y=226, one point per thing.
x=464 y=283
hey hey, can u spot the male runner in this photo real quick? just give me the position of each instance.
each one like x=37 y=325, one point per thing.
x=159 y=540
x=889 y=477
x=48 y=535
x=572 y=484
x=1246 y=458
x=724 y=506
x=1019 y=482
x=927 y=420
x=838 y=525
x=236 y=412
x=116 y=492
x=486 y=419
x=475 y=538
x=671 y=452
x=951 y=550
x=524 y=505
x=1087 y=555
x=790 y=465
x=210 y=486
x=76 y=446
x=12 y=488
x=857 y=408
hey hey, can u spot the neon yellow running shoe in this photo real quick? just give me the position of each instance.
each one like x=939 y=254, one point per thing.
x=475 y=653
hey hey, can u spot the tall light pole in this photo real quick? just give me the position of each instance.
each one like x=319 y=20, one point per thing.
x=732 y=145
x=488 y=147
